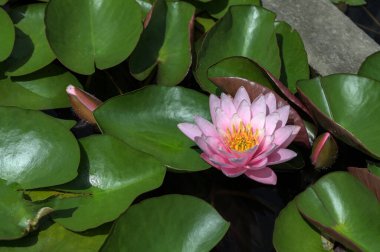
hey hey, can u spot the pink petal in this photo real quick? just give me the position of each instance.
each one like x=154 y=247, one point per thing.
x=227 y=105
x=270 y=100
x=257 y=165
x=296 y=129
x=216 y=161
x=214 y=104
x=265 y=143
x=222 y=122
x=284 y=114
x=241 y=95
x=206 y=127
x=201 y=142
x=282 y=134
x=271 y=123
x=269 y=150
x=190 y=130
x=243 y=157
x=218 y=146
x=259 y=106
x=258 y=121
x=233 y=172
x=244 y=111
x=281 y=156
x=265 y=176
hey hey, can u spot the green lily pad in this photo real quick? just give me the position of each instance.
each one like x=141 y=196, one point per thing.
x=351 y=2
x=44 y=89
x=36 y=150
x=240 y=38
x=344 y=209
x=374 y=168
x=165 y=44
x=84 y=34
x=2 y=2
x=146 y=6
x=293 y=233
x=31 y=50
x=168 y=223
x=218 y=9
x=336 y=99
x=7 y=37
x=55 y=238
x=147 y=120
x=370 y=68
x=18 y=216
x=112 y=174
x=294 y=61
x=371 y=181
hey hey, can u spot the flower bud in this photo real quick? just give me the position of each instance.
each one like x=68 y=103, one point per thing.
x=83 y=103
x=324 y=151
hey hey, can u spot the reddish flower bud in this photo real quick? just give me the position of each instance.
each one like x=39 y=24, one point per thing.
x=324 y=151
x=83 y=103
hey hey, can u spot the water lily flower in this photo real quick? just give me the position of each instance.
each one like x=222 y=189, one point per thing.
x=244 y=137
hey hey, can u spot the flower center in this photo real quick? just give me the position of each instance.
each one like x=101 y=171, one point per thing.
x=242 y=138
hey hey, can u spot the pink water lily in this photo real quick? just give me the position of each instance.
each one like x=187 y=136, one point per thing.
x=244 y=137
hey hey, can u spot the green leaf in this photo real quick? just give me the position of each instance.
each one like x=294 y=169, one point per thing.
x=31 y=50
x=88 y=33
x=246 y=31
x=293 y=233
x=35 y=149
x=2 y=2
x=7 y=32
x=370 y=68
x=112 y=175
x=336 y=99
x=344 y=209
x=44 y=89
x=55 y=238
x=218 y=9
x=370 y=180
x=68 y=124
x=147 y=120
x=18 y=217
x=165 y=44
x=145 y=6
x=294 y=63
x=350 y=2
x=168 y=223
x=374 y=168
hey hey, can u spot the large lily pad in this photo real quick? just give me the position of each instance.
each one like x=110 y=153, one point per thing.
x=344 y=209
x=230 y=85
x=55 y=238
x=7 y=37
x=168 y=223
x=18 y=217
x=165 y=43
x=35 y=149
x=84 y=34
x=218 y=9
x=347 y=106
x=31 y=50
x=112 y=174
x=44 y=89
x=246 y=31
x=370 y=68
x=147 y=120
x=371 y=181
x=293 y=233
x=294 y=61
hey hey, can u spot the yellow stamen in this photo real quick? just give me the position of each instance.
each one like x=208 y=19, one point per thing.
x=242 y=138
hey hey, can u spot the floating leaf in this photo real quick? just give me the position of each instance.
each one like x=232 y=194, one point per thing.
x=18 y=216
x=2 y=2
x=31 y=50
x=230 y=85
x=344 y=209
x=88 y=33
x=371 y=181
x=44 y=89
x=218 y=9
x=112 y=174
x=293 y=233
x=240 y=38
x=35 y=149
x=294 y=65
x=165 y=44
x=7 y=32
x=147 y=120
x=336 y=99
x=374 y=168
x=168 y=223
x=370 y=68
x=55 y=238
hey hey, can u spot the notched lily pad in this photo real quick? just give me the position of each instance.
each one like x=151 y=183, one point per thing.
x=7 y=32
